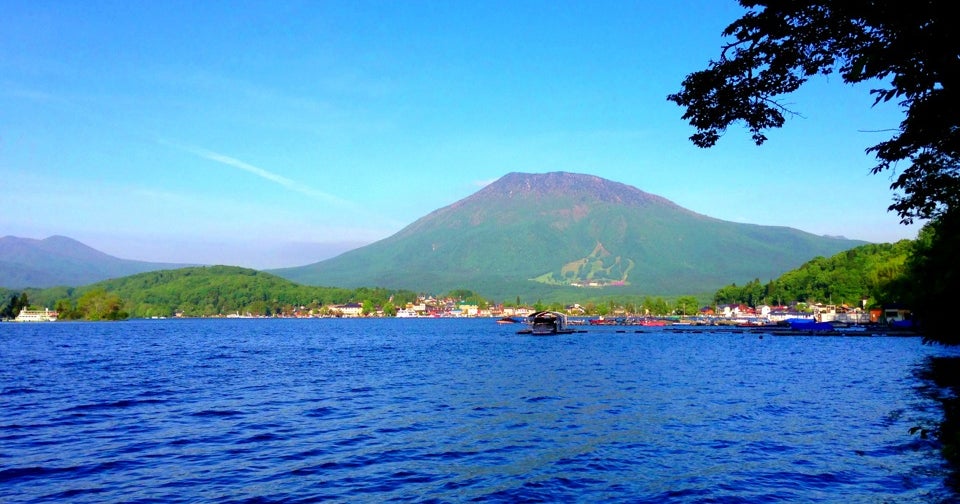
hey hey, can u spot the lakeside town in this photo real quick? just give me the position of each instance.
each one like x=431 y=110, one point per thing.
x=431 y=307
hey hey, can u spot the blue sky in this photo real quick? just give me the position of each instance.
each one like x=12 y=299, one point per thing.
x=268 y=134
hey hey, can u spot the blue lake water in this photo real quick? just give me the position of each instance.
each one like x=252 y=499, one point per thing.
x=454 y=410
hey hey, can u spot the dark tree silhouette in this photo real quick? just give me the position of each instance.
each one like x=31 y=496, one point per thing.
x=910 y=49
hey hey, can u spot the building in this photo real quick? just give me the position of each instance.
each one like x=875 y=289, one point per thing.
x=349 y=309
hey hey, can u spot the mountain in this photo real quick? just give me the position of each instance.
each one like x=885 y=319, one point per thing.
x=58 y=260
x=560 y=234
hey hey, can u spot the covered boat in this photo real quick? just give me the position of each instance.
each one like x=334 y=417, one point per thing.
x=810 y=325
x=546 y=323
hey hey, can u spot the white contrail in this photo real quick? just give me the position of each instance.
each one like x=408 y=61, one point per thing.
x=265 y=174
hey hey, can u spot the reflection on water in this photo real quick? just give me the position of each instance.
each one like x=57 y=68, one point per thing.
x=944 y=375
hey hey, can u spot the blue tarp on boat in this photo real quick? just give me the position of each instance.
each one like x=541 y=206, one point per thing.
x=810 y=325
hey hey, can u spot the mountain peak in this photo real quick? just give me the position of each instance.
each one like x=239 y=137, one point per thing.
x=60 y=260
x=566 y=184
x=537 y=234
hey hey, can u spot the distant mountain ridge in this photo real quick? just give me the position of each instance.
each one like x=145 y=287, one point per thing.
x=58 y=260
x=539 y=234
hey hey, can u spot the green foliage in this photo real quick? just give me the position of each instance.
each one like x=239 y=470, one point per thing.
x=532 y=235
x=686 y=306
x=98 y=304
x=66 y=308
x=16 y=303
x=202 y=291
x=556 y=307
x=402 y=297
x=93 y=304
x=873 y=272
x=933 y=276
x=461 y=294
x=467 y=296
x=656 y=306
x=907 y=50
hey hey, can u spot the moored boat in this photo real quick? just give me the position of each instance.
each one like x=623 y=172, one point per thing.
x=652 y=322
x=547 y=323
x=810 y=326
x=604 y=321
x=44 y=315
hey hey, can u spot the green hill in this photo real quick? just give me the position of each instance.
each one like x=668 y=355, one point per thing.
x=211 y=290
x=564 y=235
x=874 y=272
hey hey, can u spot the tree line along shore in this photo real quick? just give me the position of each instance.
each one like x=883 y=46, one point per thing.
x=869 y=275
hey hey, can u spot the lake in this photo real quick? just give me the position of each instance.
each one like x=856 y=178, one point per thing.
x=454 y=410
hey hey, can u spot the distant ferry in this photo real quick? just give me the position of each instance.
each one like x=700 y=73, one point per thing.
x=44 y=315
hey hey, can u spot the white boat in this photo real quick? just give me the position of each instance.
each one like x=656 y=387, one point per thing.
x=44 y=315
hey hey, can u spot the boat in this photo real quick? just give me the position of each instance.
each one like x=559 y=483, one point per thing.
x=810 y=325
x=508 y=320
x=755 y=322
x=44 y=315
x=547 y=323
x=652 y=322
x=604 y=321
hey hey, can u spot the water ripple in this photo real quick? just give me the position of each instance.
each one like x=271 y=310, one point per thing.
x=457 y=411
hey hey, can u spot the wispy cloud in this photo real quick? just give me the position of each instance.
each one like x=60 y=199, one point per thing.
x=276 y=178
x=16 y=91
